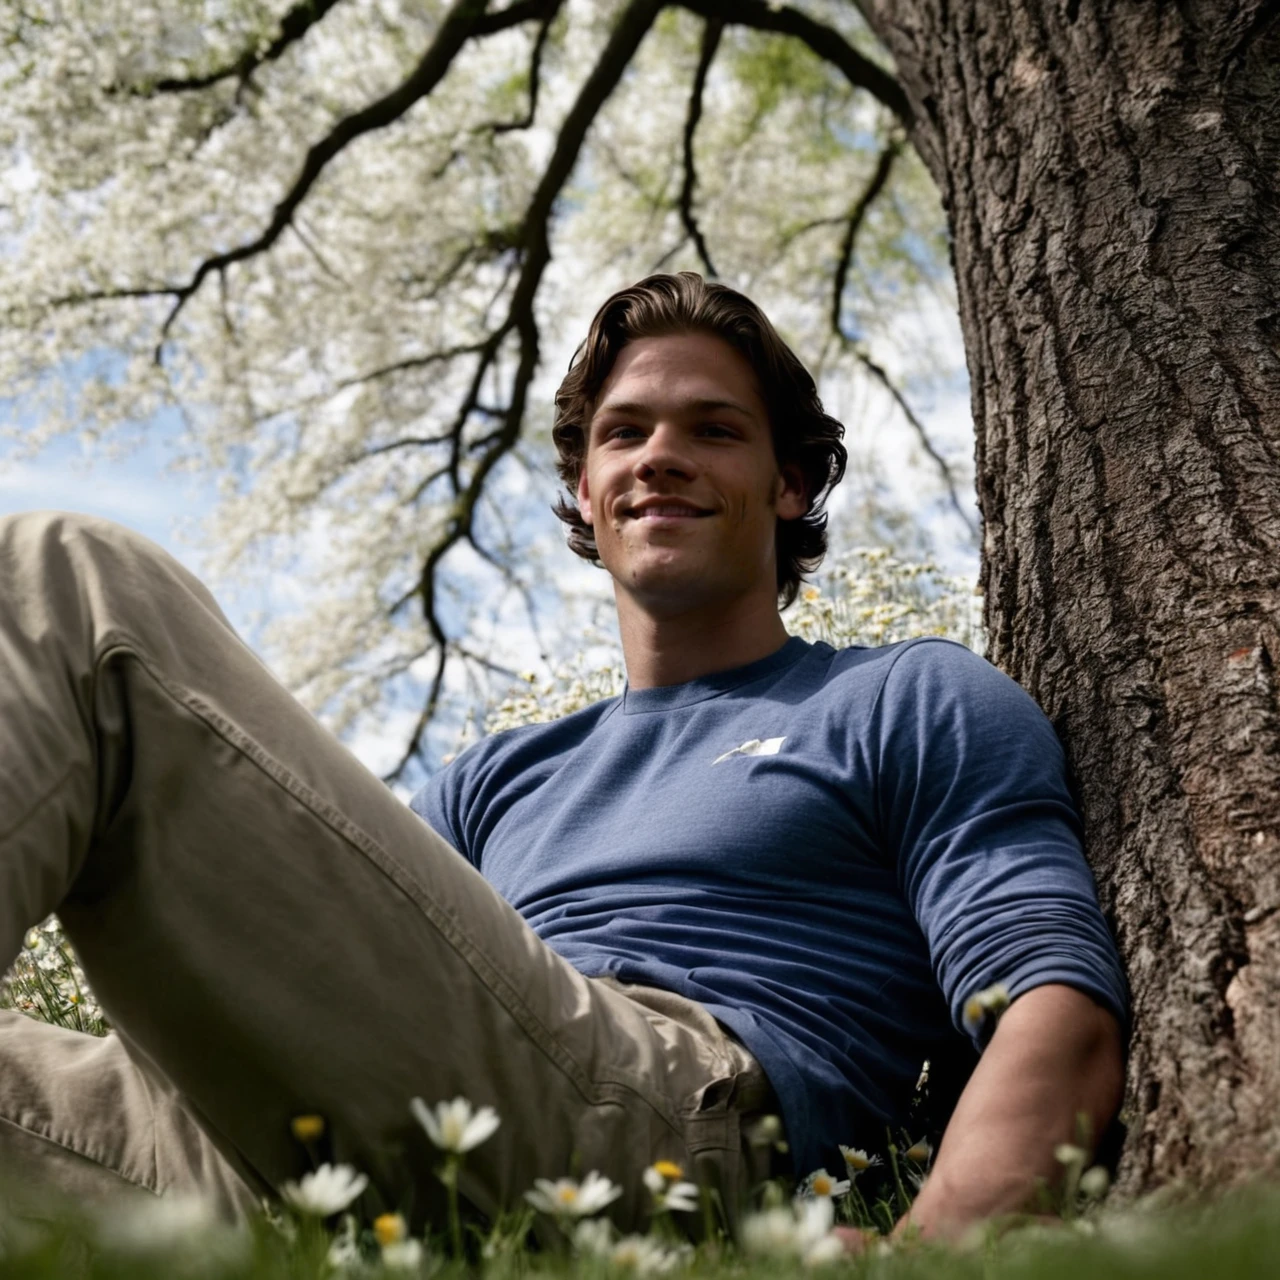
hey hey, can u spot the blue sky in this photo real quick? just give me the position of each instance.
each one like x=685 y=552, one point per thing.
x=138 y=490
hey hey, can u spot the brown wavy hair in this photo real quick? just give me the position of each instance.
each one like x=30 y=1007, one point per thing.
x=804 y=435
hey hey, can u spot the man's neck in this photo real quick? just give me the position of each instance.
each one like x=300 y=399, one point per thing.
x=674 y=648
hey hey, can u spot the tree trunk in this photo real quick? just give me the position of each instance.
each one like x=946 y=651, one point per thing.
x=1111 y=170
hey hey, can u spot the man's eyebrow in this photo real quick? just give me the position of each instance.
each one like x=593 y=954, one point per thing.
x=694 y=406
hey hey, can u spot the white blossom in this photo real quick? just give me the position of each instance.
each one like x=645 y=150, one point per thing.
x=329 y=1190
x=568 y=1198
x=455 y=1126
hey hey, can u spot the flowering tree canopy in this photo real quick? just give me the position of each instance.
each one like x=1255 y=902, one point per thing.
x=340 y=238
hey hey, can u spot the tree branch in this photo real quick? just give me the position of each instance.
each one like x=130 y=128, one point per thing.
x=513 y=15
x=535 y=75
x=625 y=39
x=487 y=663
x=465 y=19
x=293 y=26
x=711 y=34
x=454 y=31
x=857 y=216
x=373 y=375
x=926 y=443
x=827 y=43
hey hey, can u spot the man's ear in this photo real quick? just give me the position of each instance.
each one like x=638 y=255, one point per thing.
x=584 y=499
x=793 y=501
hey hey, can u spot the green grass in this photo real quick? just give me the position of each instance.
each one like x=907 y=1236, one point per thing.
x=1237 y=1237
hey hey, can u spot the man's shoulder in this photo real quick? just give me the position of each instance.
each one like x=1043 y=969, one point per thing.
x=933 y=662
x=931 y=685
x=513 y=750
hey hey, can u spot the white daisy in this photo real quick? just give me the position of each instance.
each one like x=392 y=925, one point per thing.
x=829 y=1249
x=857 y=1161
x=403 y=1255
x=919 y=1152
x=159 y=1223
x=990 y=1002
x=344 y=1249
x=567 y=1198
x=821 y=1184
x=816 y=1243
x=327 y=1191
x=771 y=1233
x=803 y=1231
x=1069 y=1154
x=646 y=1256
x=455 y=1126
x=670 y=1193
x=593 y=1236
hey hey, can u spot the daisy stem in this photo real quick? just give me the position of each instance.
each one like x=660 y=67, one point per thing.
x=449 y=1176
x=864 y=1213
x=904 y=1200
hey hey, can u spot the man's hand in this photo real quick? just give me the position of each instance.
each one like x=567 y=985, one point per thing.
x=1054 y=1056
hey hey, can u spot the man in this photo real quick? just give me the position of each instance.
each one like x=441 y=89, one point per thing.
x=768 y=875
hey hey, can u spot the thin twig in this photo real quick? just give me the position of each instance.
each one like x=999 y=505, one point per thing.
x=535 y=76
x=857 y=216
x=926 y=443
x=825 y=41
x=853 y=224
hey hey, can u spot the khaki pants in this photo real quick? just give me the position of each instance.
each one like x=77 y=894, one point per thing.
x=274 y=934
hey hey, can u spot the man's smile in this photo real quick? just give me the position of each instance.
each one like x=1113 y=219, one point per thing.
x=665 y=509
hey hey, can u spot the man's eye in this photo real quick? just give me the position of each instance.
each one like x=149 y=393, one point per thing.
x=715 y=429
x=623 y=432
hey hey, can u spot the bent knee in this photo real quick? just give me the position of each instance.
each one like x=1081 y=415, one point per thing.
x=89 y=559
x=40 y=534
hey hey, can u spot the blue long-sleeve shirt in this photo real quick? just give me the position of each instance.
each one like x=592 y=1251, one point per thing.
x=830 y=850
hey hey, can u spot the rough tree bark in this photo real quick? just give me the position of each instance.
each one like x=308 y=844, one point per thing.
x=1111 y=170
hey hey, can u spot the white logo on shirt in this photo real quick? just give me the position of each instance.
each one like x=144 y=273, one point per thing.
x=756 y=747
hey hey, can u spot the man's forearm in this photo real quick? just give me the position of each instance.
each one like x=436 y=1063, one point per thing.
x=1056 y=1055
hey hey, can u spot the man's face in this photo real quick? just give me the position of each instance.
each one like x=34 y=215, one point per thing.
x=680 y=485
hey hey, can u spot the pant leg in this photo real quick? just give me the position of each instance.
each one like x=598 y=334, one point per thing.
x=82 y=1119
x=278 y=934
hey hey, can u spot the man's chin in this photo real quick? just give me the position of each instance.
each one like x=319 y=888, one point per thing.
x=675 y=584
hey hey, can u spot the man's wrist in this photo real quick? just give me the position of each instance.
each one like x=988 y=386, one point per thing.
x=946 y=1212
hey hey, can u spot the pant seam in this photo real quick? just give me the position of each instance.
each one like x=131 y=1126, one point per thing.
x=67 y=1145
x=485 y=970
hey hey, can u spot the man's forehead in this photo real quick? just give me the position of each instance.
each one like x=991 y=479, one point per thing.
x=683 y=404
x=686 y=372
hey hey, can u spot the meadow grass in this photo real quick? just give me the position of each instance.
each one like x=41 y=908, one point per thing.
x=1235 y=1237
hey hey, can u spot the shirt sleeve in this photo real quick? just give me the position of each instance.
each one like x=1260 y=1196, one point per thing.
x=974 y=803
x=438 y=802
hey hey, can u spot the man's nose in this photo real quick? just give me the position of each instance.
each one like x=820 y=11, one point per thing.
x=665 y=452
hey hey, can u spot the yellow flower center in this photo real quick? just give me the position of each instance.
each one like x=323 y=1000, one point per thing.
x=307 y=1128
x=669 y=1170
x=822 y=1185
x=567 y=1195
x=389 y=1228
x=856 y=1160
